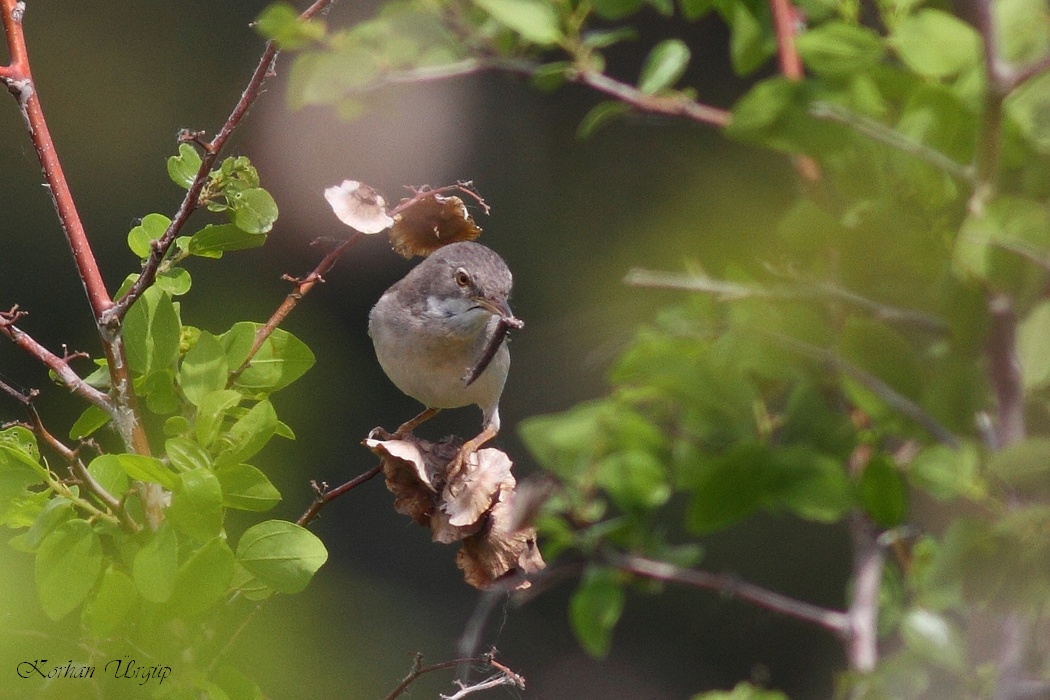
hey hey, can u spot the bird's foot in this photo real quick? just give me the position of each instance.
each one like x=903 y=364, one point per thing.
x=382 y=434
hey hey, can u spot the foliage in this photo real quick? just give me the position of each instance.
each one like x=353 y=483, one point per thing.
x=177 y=589
x=896 y=351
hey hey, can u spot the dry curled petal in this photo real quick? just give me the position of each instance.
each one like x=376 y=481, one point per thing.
x=478 y=505
x=430 y=223
x=500 y=551
x=359 y=206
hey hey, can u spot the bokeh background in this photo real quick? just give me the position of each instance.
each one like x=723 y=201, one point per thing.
x=118 y=79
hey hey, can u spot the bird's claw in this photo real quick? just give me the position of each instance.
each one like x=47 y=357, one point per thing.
x=382 y=434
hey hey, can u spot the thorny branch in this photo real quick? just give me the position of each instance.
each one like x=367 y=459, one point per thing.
x=58 y=365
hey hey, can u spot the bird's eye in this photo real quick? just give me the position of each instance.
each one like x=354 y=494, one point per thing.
x=462 y=278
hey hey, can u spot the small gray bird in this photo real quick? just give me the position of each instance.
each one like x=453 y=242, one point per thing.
x=440 y=335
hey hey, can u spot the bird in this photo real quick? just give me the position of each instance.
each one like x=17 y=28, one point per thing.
x=440 y=335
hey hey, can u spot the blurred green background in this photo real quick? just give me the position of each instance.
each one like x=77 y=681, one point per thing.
x=119 y=79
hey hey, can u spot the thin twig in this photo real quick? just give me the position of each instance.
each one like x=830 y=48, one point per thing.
x=418 y=669
x=820 y=291
x=893 y=398
x=58 y=365
x=877 y=131
x=302 y=287
x=324 y=495
x=263 y=70
x=831 y=620
x=668 y=105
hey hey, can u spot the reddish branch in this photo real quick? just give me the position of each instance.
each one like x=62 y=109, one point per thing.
x=58 y=365
x=785 y=23
x=302 y=286
x=325 y=495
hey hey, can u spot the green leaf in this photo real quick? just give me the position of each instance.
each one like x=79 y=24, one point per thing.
x=248 y=435
x=182 y=169
x=564 y=443
x=175 y=281
x=236 y=685
x=616 y=9
x=149 y=229
x=57 y=510
x=883 y=493
x=110 y=475
x=838 y=49
x=112 y=603
x=252 y=210
x=203 y=579
x=1032 y=347
x=600 y=115
x=204 y=369
x=212 y=412
x=159 y=389
x=186 y=455
x=156 y=564
x=742 y=691
x=151 y=332
x=138 y=467
x=196 y=504
x=594 y=610
x=281 y=359
x=811 y=485
x=246 y=488
x=280 y=22
x=751 y=43
x=1024 y=465
x=664 y=65
x=283 y=555
x=536 y=21
x=883 y=352
x=89 y=421
x=730 y=487
x=633 y=479
x=215 y=239
x=935 y=44
x=68 y=564
x=947 y=473
x=933 y=638
x=695 y=9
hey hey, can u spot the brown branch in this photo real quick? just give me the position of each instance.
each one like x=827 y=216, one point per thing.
x=831 y=620
x=190 y=201
x=1004 y=372
x=508 y=676
x=302 y=286
x=324 y=495
x=58 y=365
x=668 y=105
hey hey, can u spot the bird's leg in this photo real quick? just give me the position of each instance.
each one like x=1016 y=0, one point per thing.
x=408 y=426
x=469 y=447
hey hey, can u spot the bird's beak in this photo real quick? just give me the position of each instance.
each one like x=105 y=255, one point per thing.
x=499 y=307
